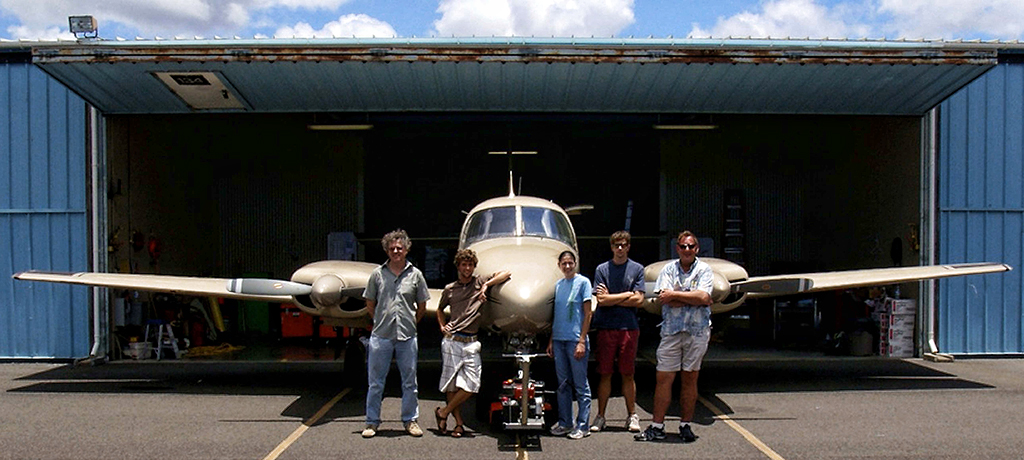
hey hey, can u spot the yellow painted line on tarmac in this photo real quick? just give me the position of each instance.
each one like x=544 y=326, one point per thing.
x=305 y=426
x=767 y=451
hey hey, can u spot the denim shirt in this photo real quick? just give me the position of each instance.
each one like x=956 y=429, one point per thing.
x=693 y=319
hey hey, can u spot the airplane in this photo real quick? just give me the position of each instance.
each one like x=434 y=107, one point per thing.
x=523 y=235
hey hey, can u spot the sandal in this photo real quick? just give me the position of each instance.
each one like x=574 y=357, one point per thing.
x=442 y=422
x=457 y=432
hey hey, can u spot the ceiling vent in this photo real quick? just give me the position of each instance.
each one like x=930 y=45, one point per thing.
x=201 y=90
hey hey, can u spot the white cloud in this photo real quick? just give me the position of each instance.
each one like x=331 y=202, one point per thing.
x=561 y=18
x=912 y=19
x=52 y=33
x=352 y=25
x=305 y=4
x=151 y=17
x=790 y=18
x=1002 y=19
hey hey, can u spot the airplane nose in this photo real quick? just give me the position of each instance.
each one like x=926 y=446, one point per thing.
x=524 y=302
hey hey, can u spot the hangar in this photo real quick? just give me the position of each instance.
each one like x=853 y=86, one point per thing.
x=243 y=156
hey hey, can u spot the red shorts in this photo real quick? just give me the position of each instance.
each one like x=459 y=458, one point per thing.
x=617 y=344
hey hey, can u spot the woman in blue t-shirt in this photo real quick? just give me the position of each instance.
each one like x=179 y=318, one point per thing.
x=569 y=347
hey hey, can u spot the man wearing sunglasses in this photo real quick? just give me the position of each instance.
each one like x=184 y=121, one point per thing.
x=684 y=291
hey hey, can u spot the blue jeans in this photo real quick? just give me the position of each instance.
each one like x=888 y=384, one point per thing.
x=378 y=362
x=572 y=376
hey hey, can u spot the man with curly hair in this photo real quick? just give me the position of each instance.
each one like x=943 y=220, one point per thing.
x=460 y=349
x=396 y=297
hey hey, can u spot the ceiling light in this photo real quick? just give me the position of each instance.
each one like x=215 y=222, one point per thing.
x=686 y=127
x=339 y=127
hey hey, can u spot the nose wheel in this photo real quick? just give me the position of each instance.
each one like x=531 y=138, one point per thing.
x=521 y=406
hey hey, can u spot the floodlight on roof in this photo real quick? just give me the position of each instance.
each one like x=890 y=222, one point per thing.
x=83 y=26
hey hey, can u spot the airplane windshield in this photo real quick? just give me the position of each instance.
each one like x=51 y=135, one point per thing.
x=546 y=223
x=491 y=223
x=501 y=222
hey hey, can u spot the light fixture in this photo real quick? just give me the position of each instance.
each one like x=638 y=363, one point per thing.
x=686 y=127
x=686 y=122
x=514 y=152
x=84 y=25
x=339 y=127
x=202 y=90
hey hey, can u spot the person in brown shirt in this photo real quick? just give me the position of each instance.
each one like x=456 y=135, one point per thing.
x=460 y=349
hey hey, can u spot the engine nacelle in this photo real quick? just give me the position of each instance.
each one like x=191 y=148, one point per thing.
x=337 y=287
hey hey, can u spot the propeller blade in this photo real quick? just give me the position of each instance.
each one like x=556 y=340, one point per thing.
x=774 y=286
x=259 y=286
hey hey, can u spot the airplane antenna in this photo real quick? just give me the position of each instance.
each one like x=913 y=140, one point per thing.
x=511 y=189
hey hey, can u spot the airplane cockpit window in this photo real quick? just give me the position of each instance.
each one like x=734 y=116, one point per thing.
x=501 y=222
x=491 y=223
x=547 y=223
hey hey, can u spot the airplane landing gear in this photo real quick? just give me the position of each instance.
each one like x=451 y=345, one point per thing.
x=522 y=405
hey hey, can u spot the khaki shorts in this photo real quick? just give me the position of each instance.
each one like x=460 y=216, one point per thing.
x=682 y=352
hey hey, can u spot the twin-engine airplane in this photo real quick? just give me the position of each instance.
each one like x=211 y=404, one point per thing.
x=521 y=234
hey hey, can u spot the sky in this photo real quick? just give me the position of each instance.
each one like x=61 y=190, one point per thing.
x=855 y=19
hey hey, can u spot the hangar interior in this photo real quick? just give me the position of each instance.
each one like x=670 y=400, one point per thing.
x=814 y=162
x=228 y=195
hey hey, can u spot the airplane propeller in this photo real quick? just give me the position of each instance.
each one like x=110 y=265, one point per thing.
x=775 y=286
x=261 y=286
x=328 y=290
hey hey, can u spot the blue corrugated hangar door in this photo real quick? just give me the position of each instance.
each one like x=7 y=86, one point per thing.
x=43 y=219
x=981 y=212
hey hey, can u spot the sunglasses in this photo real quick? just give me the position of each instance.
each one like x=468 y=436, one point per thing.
x=686 y=246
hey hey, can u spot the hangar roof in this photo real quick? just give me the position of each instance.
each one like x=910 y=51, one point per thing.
x=528 y=75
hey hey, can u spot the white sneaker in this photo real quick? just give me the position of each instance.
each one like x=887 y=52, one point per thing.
x=414 y=429
x=579 y=434
x=598 y=424
x=633 y=423
x=369 y=431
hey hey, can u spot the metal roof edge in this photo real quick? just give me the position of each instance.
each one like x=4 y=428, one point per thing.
x=581 y=42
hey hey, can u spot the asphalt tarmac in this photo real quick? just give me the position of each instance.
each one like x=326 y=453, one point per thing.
x=766 y=405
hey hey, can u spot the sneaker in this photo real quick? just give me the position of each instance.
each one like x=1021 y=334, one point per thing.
x=633 y=423
x=651 y=434
x=579 y=434
x=559 y=430
x=414 y=429
x=598 y=424
x=369 y=431
x=687 y=434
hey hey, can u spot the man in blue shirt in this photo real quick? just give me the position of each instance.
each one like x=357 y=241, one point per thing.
x=684 y=291
x=619 y=290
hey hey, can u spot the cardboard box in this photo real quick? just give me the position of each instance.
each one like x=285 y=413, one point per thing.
x=890 y=321
x=900 y=306
x=900 y=333
x=900 y=349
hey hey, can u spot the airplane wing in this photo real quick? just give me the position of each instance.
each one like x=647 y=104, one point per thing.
x=184 y=285
x=255 y=289
x=777 y=285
